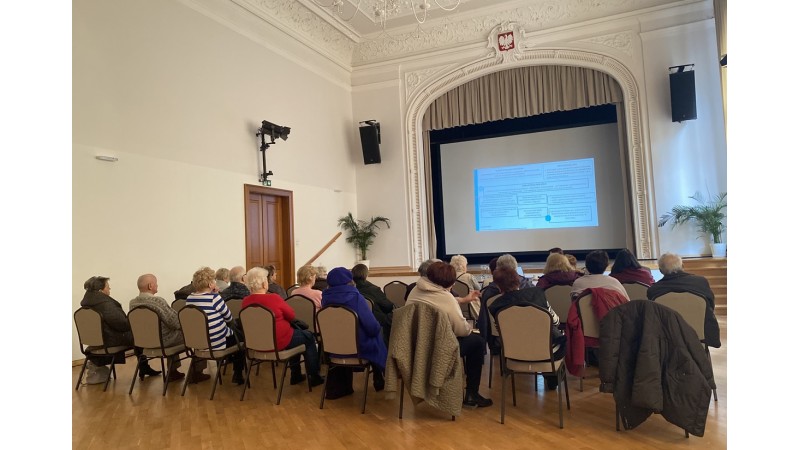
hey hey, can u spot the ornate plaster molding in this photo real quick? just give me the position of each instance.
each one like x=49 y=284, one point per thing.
x=641 y=193
x=619 y=41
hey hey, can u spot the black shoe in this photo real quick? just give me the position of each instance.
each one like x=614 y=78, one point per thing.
x=329 y=395
x=297 y=379
x=551 y=382
x=316 y=380
x=238 y=379
x=147 y=370
x=475 y=399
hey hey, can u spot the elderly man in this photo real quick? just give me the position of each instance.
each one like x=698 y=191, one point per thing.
x=171 y=333
x=676 y=280
x=237 y=289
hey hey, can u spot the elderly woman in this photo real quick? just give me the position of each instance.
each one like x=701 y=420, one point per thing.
x=306 y=277
x=507 y=281
x=434 y=289
x=206 y=297
x=223 y=278
x=274 y=287
x=459 y=262
x=627 y=269
x=557 y=272
x=342 y=291
x=287 y=337
x=116 y=330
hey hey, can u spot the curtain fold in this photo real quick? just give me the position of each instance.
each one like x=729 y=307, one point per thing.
x=521 y=92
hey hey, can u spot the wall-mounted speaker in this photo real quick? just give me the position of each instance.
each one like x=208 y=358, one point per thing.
x=682 y=94
x=370 y=131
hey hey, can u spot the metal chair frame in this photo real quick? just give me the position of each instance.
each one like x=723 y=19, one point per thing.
x=144 y=338
x=89 y=324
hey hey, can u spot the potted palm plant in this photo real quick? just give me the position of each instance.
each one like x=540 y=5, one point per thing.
x=708 y=216
x=361 y=233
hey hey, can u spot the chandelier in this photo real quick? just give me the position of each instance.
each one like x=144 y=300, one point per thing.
x=383 y=10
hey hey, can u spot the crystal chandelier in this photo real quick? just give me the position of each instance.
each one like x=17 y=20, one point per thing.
x=383 y=10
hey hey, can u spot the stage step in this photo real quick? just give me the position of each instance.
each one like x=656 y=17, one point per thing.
x=716 y=271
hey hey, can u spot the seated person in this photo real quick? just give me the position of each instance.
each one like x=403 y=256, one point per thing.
x=459 y=262
x=557 y=272
x=287 y=336
x=274 y=287
x=382 y=307
x=435 y=291
x=306 y=277
x=223 y=277
x=556 y=250
x=183 y=292
x=489 y=291
x=422 y=270
x=206 y=297
x=342 y=291
x=321 y=282
x=116 y=330
x=171 y=334
x=676 y=280
x=596 y=264
x=507 y=281
x=573 y=261
x=237 y=288
x=627 y=269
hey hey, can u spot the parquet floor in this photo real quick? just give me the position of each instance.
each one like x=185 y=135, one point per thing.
x=145 y=419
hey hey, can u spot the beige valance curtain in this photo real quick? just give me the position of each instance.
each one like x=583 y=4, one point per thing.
x=521 y=92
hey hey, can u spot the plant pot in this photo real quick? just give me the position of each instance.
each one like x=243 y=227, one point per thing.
x=364 y=262
x=719 y=250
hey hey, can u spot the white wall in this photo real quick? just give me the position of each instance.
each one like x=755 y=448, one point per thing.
x=689 y=156
x=177 y=98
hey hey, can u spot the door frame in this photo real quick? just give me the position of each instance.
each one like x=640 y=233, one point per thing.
x=287 y=216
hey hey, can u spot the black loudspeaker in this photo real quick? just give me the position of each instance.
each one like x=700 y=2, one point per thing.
x=682 y=95
x=370 y=131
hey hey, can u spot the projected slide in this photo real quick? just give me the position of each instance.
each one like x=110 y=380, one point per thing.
x=558 y=194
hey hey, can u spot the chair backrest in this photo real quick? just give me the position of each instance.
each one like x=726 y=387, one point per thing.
x=589 y=322
x=396 y=292
x=194 y=324
x=178 y=304
x=690 y=306
x=234 y=306
x=492 y=324
x=258 y=325
x=636 y=290
x=560 y=299
x=370 y=301
x=460 y=289
x=291 y=289
x=525 y=333
x=338 y=326
x=90 y=327
x=304 y=309
x=146 y=327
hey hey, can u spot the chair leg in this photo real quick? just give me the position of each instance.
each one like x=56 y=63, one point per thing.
x=560 y=408
x=283 y=379
x=402 y=388
x=189 y=374
x=366 y=388
x=491 y=366
x=170 y=363
x=616 y=413
x=503 y=400
x=712 y=373
x=325 y=387
x=133 y=381
x=536 y=382
x=217 y=378
x=108 y=378
x=248 y=368
x=513 y=388
x=164 y=374
x=80 y=375
x=566 y=385
x=686 y=433
x=274 y=379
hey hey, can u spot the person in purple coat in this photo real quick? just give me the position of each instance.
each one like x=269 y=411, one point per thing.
x=342 y=291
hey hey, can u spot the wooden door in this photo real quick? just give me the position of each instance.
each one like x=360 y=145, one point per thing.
x=269 y=234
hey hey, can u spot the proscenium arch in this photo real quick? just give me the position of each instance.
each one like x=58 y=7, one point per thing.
x=638 y=149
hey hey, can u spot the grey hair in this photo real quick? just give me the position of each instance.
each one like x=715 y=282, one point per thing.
x=459 y=262
x=423 y=268
x=670 y=263
x=256 y=277
x=507 y=261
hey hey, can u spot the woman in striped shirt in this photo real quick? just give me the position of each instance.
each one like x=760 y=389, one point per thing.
x=207 y=298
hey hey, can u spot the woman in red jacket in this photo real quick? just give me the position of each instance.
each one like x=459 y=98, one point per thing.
x=287 y=337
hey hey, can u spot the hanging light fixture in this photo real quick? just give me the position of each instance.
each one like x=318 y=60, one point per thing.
x=384 y=10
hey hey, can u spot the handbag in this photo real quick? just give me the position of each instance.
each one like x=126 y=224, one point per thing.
x=299 y=324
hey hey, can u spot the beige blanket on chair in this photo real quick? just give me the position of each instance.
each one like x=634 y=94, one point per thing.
x=424 y=352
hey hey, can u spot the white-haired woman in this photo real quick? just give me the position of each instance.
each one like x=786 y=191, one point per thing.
x=459 y=262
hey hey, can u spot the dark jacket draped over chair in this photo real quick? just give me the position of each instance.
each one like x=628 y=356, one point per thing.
x=686 y=282
x=653 y=362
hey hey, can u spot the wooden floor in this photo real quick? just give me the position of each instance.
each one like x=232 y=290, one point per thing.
x=113 y=419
